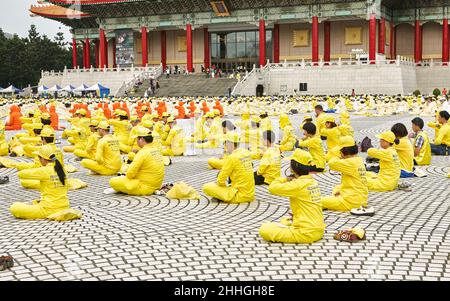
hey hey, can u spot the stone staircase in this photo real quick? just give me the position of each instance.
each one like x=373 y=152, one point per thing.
x=191 y=85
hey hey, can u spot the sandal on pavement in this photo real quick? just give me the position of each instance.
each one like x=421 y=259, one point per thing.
x=351 y=236
x=363 y=211
x=6 y=262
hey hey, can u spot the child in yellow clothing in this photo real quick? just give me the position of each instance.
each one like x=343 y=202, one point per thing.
x=307 y=225
x=313 y=144
x=353 y=191
x=217 y=163
x=422 y=148
x=270 y=165
x=389 y=175
x=404 y=150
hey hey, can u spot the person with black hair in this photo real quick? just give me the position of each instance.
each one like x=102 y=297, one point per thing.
x=320 y=119
x=254 y=138
x=312 y=142
x=331 y=132
x=145 y=174
x=404 y=150
x=352 y=193
x=270 y=164
x=266 y=123
x=238 y=169
x=89 y=151
x=422 y=148
x=306 y=224
x=441 y=146
x=287 y=143
x=174 y=144
x=53 y=187
x=122 y=129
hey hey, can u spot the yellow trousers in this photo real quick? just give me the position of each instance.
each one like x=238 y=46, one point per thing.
x=226 y=194
x=29 y=149
x=374 y=184
x=31 y=211
x=130 y=186
x=97 y=168
x=125 y=148
x=80 y=153
x=171 y=153
x=216 y=163
x=74 y=184
x=338 y=203
x=69 y=148
x=287 y=147
x=283 y=232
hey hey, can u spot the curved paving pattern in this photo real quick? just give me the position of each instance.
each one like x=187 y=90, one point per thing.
x=147 y=238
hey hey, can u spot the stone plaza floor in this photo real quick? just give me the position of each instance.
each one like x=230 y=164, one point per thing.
x=153 y=238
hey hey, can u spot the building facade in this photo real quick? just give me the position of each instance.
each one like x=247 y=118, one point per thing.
x=229 y=34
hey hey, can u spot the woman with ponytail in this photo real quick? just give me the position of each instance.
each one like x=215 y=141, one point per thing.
x=53 y=187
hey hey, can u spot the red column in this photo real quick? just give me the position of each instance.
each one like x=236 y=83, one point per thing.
x=206 y=51
x=391 y=41
x=102 y=48
x=84 y=55
x=372 y=38
x=114 y=52
x=96 y=48
x=326 y=42
x=382 y=36
x=163 y=50
x=144 y=46
x=74 y=54
x=190 y=65
x=417 y=40
x=88 y=53
x=276 y=43
x=315 y=39
x=262 y=42
x=106 y=53
x=395 y=41
x=445 y=40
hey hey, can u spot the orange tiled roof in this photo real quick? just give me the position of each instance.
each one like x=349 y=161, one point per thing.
x=57 y=12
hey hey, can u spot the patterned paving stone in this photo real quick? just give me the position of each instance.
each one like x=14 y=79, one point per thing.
x=154 y=238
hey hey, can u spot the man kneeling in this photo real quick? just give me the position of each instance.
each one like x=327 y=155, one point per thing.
x=146 y=173
x=239 y=168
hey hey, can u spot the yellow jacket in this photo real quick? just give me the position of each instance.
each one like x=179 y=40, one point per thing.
x=122 y=129
x=405 y=153
x=255 y=139
x=389 y=167
x=444 y=135
x=346 y=130
x=91 y=145
x=175 y=140
x=239 y=168
x=304 y=196
x=354 y=182
x=266 y=124
x=332 y=135
x=424 y=157
x=289 y=139
x=108 y=152
x=320 y=122
x=79 y=135
x=314 y=145
x=3 y=143
x=53 y=192
x=148 y=168
x=37 y=163
x=270 y=165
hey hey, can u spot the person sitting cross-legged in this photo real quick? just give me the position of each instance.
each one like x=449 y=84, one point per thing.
x=146 y=173
x=270 y=164
x=306 y=224
x=239 y=168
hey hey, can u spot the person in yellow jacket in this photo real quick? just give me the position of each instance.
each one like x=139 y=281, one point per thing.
x=174 y=144
x=287 y=143
x=217 y=163
x=441 y=146
x=213 y=134
x=107 y=158
x=79 y=123
x=331 y=132
x=255 y=138
x=306 y=225
x=389 y=175
x=422 y=148
x=122 y=129
x=353 y=191
x=239 y=168
x=320 y=119
x=266 y=123
x=270 y=164
x=404 y=150
x=435 y=125
x=4 y=148
x=165 y=128
x=89 y=151
x=312 y=142
x=53 y=187
x=146 y=174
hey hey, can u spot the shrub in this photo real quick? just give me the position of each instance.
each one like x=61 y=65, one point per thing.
x=436 y=92
x=416 y=93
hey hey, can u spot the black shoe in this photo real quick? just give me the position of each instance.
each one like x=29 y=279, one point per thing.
x=13 y=155
x=4 y=180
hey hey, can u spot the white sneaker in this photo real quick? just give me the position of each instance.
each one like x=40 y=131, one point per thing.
x=109 y=191
x=420 y=173
x=363 y=211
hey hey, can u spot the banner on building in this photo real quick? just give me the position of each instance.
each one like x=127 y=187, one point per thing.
x=124 y=47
